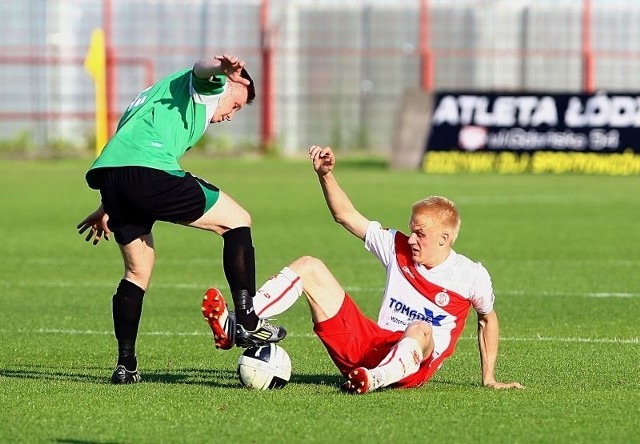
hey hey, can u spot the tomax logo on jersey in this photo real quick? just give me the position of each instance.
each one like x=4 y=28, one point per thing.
x=414 y=314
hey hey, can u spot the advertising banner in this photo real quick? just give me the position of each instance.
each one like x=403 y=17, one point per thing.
x=534 y=132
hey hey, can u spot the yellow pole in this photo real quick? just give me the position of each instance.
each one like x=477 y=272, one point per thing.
x=95 y=64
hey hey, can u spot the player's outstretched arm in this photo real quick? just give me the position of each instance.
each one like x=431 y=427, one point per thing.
x=488 y=337
x=337 y=200
x=96 y=223
x=226 y=64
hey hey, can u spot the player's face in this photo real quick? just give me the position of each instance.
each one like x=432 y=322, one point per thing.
x=425 y=238
x=234 y=98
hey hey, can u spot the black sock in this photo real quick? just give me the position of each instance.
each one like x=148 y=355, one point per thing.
x=245 y=314
x=238 y=261
x=127 y=310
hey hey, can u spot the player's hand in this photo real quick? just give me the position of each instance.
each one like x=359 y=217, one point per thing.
x=323 y=159
x=96 y=223
x=232 y=66
x=503 y=385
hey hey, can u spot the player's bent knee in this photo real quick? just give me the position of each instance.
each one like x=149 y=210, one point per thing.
x=232 y=221
x=420 y=329
x=309 y=268
x=422 y=332
x=138 y=277
x=225 y=215
x=245 y=220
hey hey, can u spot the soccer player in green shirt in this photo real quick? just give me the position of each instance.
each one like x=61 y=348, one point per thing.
x=141 y=182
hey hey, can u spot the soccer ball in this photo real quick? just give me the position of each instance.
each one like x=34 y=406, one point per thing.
x=263 y=368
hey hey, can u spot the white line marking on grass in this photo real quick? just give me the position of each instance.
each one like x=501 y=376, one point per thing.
x=616 y=294
x=538 y=338
x=570 y=293
x=523 y=292
x=350 y=289
x=113 y=285
x=612 y=295
x=577 y=340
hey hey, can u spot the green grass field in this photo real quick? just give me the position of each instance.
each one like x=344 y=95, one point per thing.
x=563 y=251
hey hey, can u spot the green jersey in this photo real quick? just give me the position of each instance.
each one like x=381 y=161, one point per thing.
x=163 y=122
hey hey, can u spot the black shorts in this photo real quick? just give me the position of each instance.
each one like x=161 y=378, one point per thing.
x=136 y=197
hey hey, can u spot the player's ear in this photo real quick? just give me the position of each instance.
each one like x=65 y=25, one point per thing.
x=240 y=93
x=444 y=237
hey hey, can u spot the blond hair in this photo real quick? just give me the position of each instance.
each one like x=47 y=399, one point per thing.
x=442 y=211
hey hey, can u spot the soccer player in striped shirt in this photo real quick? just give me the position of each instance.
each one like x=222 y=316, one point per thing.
x=429 y=291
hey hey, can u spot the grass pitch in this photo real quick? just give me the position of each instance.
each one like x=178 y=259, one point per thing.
x=563 y=251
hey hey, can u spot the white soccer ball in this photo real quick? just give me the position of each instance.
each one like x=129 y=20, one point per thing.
x=263 y=368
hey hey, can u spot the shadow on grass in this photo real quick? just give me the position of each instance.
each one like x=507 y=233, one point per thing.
x=50 y=375
x=189 y=376
x=323 y=380
x=206 y=377
x=83 y=441
x=449 y=382
x=193 y=376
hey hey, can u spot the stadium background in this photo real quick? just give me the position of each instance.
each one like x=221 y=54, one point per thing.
x=329 y=72
x=562 y=248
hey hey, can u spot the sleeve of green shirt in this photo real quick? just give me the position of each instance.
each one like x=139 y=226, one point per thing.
x=211 y=86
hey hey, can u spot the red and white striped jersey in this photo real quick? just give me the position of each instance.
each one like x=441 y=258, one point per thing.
x=441 y=295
